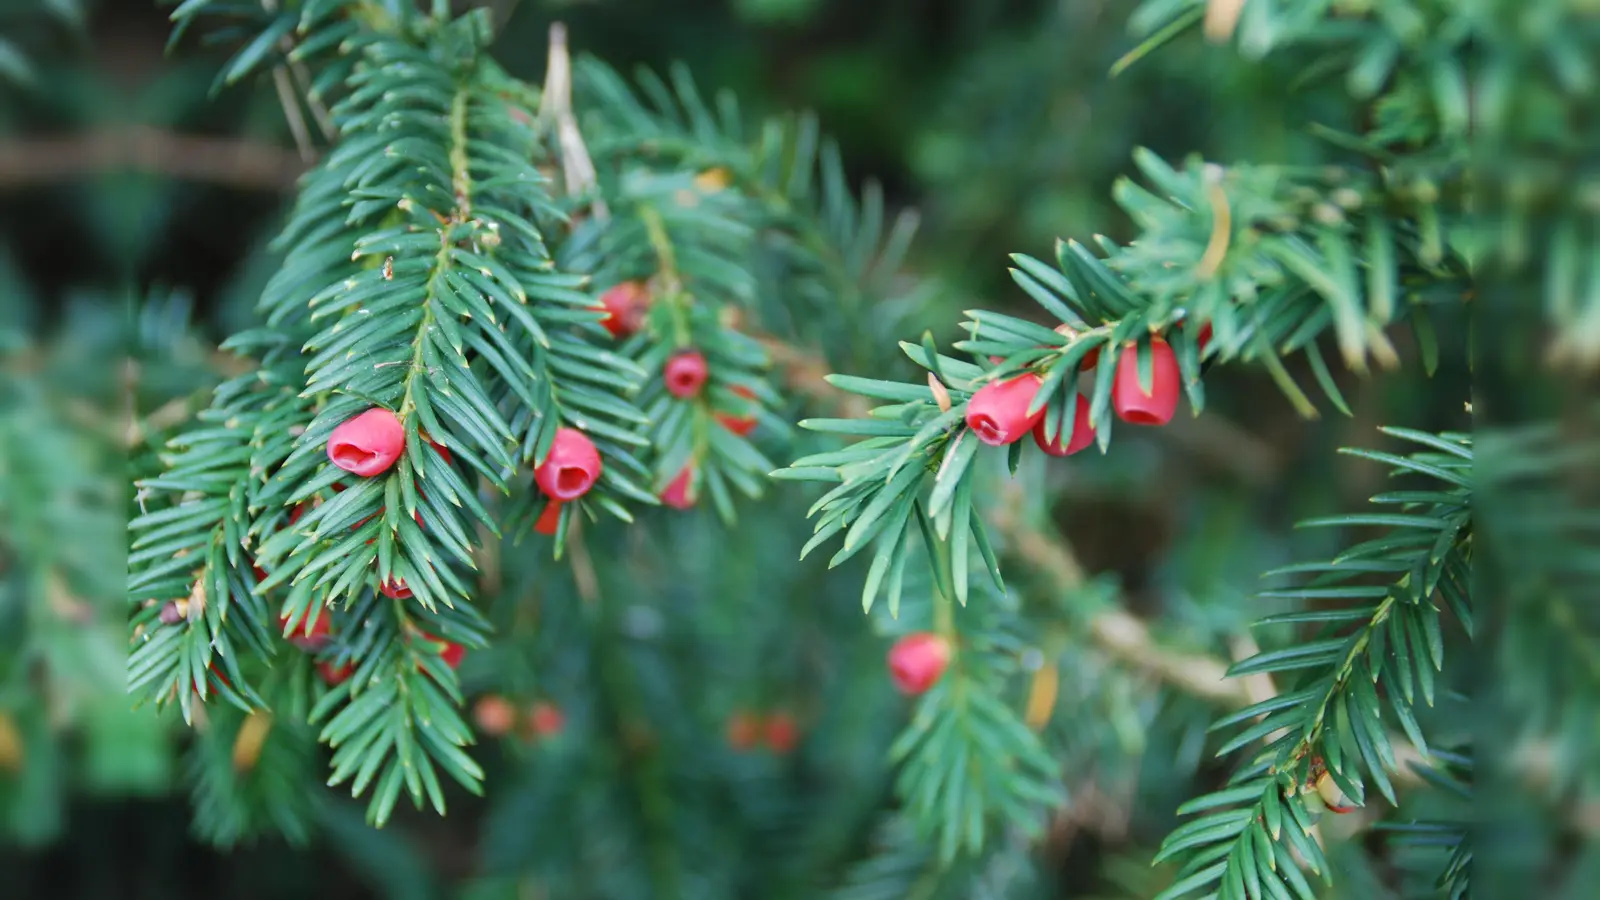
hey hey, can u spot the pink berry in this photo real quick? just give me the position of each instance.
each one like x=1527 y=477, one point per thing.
x=917 y=661
x=685 y=373
x=571 y=467
x=998 y=412
x=1079 y=436
x=679 y=492
x=740 y=424
x=368 y=444
x=1132 y=404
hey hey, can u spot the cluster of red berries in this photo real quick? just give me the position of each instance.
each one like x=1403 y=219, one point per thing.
x=497 y=717
x=778 y=731
x=685 y=375
x=451 y=652
x=998 y=412
x=917 y=661
x=370 y=443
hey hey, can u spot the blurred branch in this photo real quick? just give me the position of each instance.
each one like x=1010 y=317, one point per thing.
x=229 y=161
x=1117 y=631
x=805 y=373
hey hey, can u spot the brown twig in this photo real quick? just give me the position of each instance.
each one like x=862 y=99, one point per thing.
x=1118 y=631
x=236 y=163
x=805 y=373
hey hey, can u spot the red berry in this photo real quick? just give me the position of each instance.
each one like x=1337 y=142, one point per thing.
x=916 y=661
x=1204 y=337
x=740 y=424
x=546 y=719
x=1080 y=436
x=549 y=520
x=260 y=573
x=444 y=452
x=998 y=412
x=744 y=730
x=494 y=715
x=452 y=654
x=1090 y=360
x=335 y=675
x=679 y=492
x=782 y=733
x=298 y=511
x=624 y=307
x=313 y=631
x=1130 y=401
x=367 y=444
x=395 y=589
x=685 y=373
x=571 y=467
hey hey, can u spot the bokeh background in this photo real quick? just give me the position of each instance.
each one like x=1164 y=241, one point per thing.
x=124 y=177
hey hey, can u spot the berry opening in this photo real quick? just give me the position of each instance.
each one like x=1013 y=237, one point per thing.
x=1142 y=417
x=350 y=455
x=571 y=479
x=986 y=428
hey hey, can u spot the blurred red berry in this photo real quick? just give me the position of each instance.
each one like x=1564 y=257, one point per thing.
x=685 y=373
x=743 y=730
x=740 y=424
x=452 y=654
x=335 y=675
x=679 y=492
x=549 y=520
x=546 y=719
x=781 y=732
x=494 y=715
x=917 y=661
x=624 y=306
x=313 y=631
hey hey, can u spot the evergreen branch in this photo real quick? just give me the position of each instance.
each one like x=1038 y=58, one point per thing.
x=1329 y=728
x=426 y=279
x=968 y=763
x=836 y=255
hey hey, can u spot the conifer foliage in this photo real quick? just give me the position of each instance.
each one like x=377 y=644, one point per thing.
x=507 y=309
